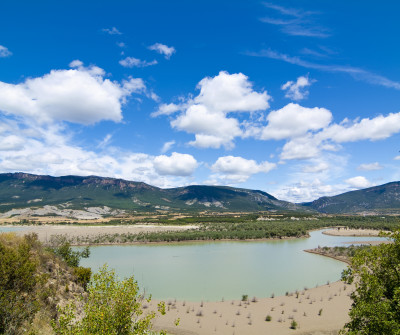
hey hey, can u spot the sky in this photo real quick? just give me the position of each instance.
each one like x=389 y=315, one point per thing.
x=299 y=99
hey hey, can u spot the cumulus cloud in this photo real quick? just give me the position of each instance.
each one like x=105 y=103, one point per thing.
x=378 y=128
x=4 y=52
x=297 y=90
x=163 y=49
x=206 y=115
x=370 y=167
x=79 y=95
x=294 y=120
x=49 y=149
x=300 y=148
x=315 y=132
x=112 y=31
x=358 y=182
x=135 y=62
x=308 y=190
x=239 y=169
x=175 y=165
x=211 y=129
x=230 y=93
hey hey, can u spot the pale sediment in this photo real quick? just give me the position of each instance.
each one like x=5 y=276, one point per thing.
x=320 y=310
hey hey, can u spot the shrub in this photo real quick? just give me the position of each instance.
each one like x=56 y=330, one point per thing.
x=82 y=276
x=268 y=318
x=293 y=324
x=112 y=307
x=17 y=282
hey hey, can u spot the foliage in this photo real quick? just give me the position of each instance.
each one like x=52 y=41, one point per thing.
x=62 y=248
x=246 y=228
x=293 y=324
x=83 y=275
x=112 y=307
x=375 y=271
x=17 y=282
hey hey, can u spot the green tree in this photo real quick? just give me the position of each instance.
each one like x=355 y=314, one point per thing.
x=112 y=307
x=62 y=248
x=375 y=271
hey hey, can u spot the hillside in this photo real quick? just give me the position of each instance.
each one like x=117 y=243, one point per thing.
x=378 y=199
x=93 y=197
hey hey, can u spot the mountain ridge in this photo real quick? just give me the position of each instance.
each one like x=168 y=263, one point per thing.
x=98 y=196
x=21 y=190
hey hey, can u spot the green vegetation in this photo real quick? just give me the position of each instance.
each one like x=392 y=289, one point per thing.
x=375 y=271
x=35 y=280
x=17 y=282
x=113 y=307
x=235 y=229
x=293 y=325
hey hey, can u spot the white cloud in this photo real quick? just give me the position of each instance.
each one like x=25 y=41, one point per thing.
x=163 y=49
x=239 y=169
x=167 y=146
x=358 y=182
x=49 y=149
x=167 y=109
x=112 y=31
x=135 y=62
x=211 y=129
x=308 y=190
x=300 y=148
x=230 y=93
x=4 y=52
x=79 y=95
x=121 y=44
x=370 y=167
x=294 y=120
x=378 y=128
x=297 y=90
x=176 y=165
x=206 y=114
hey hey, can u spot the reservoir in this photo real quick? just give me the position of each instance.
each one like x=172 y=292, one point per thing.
x=211 y=271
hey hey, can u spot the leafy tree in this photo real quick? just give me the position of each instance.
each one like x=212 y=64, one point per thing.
x=62 y=248
x=112 y=307
x=375 y=271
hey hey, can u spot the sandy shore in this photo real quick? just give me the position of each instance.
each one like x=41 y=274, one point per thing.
x=46 y=231
x=351 y=232
x=321 y=310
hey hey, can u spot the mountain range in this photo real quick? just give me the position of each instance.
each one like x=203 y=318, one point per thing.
x=97 y=196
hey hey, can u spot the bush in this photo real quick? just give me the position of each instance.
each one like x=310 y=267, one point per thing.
x=113 y=307
x=82 y=275
x=268 y=318
x=62 y=248
x=17 y=282
x=293 y=324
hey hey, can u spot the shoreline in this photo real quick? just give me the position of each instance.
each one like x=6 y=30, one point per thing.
x=46 y=231
x=315 y=252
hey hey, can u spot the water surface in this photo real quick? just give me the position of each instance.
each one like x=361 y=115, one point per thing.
x=215 y=270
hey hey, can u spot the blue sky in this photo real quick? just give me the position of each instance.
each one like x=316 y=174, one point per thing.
x=296 y=98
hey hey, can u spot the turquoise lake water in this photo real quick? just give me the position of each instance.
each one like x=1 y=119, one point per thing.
x=215 y=270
